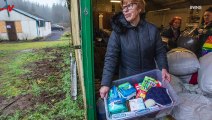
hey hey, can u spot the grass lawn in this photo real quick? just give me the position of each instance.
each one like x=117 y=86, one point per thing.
x=35 y=82
x=31 y=45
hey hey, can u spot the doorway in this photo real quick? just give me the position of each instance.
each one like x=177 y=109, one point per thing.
x=11 y=31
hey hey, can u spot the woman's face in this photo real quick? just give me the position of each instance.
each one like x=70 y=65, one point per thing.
x=131 y=10
x=176 y=24
x=207 y=17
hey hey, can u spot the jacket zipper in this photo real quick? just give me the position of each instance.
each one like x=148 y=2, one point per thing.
x=139 y=48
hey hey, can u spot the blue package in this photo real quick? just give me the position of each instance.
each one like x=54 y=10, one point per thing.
x=115 y=103
x=159 y=95
x=127 y=91
x=113 y=93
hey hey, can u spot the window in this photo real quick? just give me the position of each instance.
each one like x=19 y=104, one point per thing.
x=41 y=23
x=3 y=27
x=18 y=26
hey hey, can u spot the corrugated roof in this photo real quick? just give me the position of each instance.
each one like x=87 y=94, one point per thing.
x=27 y=14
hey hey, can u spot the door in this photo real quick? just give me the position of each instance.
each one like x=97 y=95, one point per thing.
x=11 y=31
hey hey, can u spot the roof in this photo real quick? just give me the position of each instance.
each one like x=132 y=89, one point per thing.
x=27 y=14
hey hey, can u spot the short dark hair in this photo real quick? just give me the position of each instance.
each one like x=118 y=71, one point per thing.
x=209 y=9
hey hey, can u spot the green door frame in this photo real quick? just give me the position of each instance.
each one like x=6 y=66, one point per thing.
x=88 y=56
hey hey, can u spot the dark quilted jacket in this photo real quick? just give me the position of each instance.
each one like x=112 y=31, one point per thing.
x=132 y=49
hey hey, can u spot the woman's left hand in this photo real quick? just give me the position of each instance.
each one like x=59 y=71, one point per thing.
x=166 y=75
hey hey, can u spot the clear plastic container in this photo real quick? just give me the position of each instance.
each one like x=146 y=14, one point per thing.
x=162 y=111
x=101 y=109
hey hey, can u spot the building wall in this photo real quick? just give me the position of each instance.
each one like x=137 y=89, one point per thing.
x=46 y=30
x=29 y=30
x=163 y=17
x=102 y=6
x=157 y=18
x=29 y=27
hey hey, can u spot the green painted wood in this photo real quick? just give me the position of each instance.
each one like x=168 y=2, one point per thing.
x=88 y=56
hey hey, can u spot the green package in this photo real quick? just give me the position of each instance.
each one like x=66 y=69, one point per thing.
x=148 y=82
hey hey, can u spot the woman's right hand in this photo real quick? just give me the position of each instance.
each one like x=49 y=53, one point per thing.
x=104 y=91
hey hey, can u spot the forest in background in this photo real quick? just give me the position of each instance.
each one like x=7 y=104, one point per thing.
x=58 y=13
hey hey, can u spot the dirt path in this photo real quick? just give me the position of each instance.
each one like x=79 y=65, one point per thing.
x=42 y=71
x=9 y=106
x=55 y=35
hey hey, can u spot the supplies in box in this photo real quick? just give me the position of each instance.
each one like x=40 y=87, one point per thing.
x=152 y=95
x=116 y=104
x=127 y=91
x=159 y=95
x=136 y=104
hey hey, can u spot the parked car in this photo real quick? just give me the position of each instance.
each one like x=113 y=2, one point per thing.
x=57 y=27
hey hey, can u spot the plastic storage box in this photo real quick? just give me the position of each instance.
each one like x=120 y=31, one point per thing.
x=160 y=112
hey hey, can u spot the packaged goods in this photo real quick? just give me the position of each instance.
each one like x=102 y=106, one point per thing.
x=140 y=92
x=148 y=82
x=127 y=91
x=136 y=104
x=159 y=95
x=115 y=103
x=149 y=103
x=113 y=93
x=161 y=107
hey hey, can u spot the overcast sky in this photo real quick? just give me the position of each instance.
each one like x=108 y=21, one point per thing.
x=47 y=2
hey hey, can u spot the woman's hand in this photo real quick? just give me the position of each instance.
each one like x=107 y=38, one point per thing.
x=104 y=91
x=166 y=75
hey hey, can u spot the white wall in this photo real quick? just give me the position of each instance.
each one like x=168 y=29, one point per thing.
x=29 y=28
x=46 y=30
x=3 y=36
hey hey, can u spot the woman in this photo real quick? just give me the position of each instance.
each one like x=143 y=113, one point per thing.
x=205 y=30
x=134 y=45
x=173 y=32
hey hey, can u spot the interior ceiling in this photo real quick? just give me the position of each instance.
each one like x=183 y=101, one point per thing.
x=174 y=4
